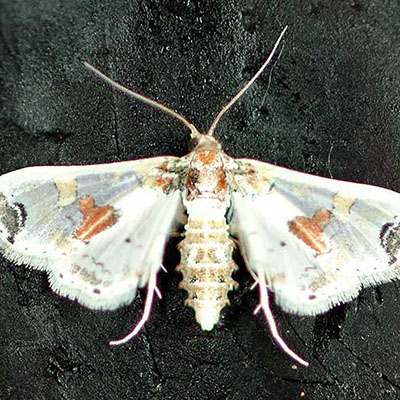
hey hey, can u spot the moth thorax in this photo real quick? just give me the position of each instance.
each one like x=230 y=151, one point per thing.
x=206 y=263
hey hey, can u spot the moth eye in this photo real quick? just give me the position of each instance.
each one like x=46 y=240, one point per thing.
x=193 y=143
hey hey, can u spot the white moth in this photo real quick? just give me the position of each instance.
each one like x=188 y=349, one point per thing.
x=100 y=230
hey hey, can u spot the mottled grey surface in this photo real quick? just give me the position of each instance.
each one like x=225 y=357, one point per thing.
x=331 y=106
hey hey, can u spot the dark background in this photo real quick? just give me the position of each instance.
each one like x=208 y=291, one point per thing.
x=329 y=106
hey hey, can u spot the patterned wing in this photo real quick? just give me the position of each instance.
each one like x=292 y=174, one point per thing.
x=98 y=230
x=315 y=240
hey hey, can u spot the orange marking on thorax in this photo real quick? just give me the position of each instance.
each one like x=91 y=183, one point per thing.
x=95 y=219
x=207 y=156
x=310 y=230
x=221 y=181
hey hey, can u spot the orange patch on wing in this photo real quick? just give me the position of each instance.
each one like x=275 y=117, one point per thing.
x=164 y=183
x=207 y=156
x=164 y=166
x=95 y=219
x=310 y=230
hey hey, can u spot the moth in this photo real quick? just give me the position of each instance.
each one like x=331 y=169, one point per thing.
x=99 y=231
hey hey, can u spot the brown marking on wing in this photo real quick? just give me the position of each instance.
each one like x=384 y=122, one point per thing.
x=166 y=178
x=253 y=179
x=165 y=167
x=310 y=230
x=164 y=182
x=320 y=282
x=162 y=177
x=86 y=276
x=95 y=219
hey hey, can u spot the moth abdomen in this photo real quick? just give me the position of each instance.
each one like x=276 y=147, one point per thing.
x=207 y=266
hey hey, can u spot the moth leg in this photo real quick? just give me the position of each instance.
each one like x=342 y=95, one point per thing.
x=255 y=283
x=158 y=292
x=247 y=263
x=236 y=243
x=176 y=234
x=163 y=268
x=258 y=308
x=151 y=289
x=264 y=303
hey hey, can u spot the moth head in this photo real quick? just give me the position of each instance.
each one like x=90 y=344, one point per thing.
x=198 y=141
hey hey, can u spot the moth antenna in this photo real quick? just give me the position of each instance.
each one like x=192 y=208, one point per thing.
x=264 y=301
x=228 y=105
x=151 y=289
x=147 y=100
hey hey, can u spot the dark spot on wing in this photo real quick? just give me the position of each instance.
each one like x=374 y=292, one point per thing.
x=390 y=240
x=22 y=213
x=13 y=217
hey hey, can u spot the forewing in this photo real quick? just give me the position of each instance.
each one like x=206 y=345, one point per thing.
x=99 y=230
x=317 y=240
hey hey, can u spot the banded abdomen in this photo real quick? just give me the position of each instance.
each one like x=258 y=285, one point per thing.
x=206 y=260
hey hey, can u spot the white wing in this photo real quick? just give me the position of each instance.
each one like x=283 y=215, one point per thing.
x=99 y=230
x=316 y=240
